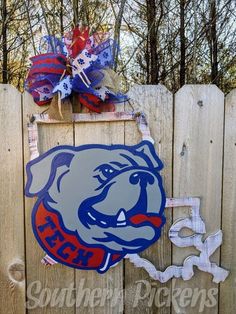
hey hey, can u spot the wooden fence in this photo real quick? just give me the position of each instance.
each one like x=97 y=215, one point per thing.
x=195 y=136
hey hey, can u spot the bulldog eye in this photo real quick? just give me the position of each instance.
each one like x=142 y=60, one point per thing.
x=105 y=172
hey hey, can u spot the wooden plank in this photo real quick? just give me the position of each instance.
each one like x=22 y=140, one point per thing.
x=57 y=276
x=157 y=103
x=12 y=257
x=198 y=148
x=101 y=133
x=228 y=253
x=88 y=117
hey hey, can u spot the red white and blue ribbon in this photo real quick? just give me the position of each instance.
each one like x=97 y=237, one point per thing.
x=78 y=63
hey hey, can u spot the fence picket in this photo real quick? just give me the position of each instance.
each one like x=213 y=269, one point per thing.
x=56 y=276
x=157 y=103
x=228 y=253
x=198 y=143
x=101 y=133
x=12 y=259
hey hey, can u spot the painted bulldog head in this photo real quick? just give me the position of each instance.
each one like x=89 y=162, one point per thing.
x=109 y=196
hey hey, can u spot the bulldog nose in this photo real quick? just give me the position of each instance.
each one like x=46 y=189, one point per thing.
x=141 y=177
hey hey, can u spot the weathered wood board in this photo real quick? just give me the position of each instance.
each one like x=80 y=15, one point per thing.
x=101 y=133
x=157 y=103
x=12 y=252
x=228 y=253
x=40 y=277
x=198 y=153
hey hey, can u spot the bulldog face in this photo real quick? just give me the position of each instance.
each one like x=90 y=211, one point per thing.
x=110 y=196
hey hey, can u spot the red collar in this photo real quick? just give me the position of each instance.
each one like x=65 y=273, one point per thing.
x=64 y=246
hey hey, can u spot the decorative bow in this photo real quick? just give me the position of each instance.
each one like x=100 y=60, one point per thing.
x=78 y=63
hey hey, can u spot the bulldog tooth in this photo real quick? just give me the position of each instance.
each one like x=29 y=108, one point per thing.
x=121 y=223
x=91 y=216
x=121 y=217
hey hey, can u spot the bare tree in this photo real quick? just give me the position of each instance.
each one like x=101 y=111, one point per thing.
x=4 y=43
x=117 y=29
x=75 y=6
x=213 y=43
x=152 y=41
x=172 y=42
x=182 y=43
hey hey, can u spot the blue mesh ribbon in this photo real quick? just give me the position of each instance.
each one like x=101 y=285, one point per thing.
x=53 y=44
x=104 y=51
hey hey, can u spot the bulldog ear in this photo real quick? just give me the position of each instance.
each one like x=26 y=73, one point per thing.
x=42 y=170
x=147 y=148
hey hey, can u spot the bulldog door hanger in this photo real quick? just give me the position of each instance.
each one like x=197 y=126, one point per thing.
x=96 y=203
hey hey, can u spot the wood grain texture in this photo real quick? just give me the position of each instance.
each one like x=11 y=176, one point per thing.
x=227 y=304
x=157 y=103
x=12 y=257
x=101 y=133
x=57 y=276
x=88 y=117
x=197 y=171
x=198 y=143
